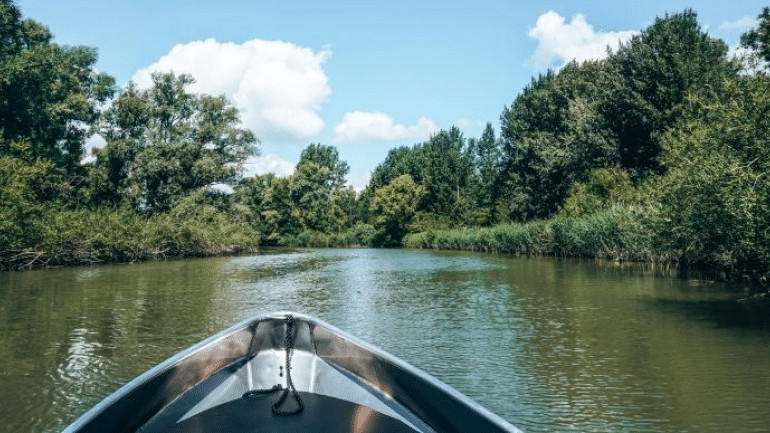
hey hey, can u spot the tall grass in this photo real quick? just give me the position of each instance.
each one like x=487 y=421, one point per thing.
x=618 y=234
x=519 y=238
x=83 y=236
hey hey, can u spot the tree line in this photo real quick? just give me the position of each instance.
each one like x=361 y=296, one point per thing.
x=658 y=152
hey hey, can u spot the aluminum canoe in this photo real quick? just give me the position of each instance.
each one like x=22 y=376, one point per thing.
x=286 y=372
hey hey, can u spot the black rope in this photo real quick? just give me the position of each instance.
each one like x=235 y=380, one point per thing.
x=255 y=392
x=290 y=389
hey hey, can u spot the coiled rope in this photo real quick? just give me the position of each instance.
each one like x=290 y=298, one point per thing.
x=290 y=389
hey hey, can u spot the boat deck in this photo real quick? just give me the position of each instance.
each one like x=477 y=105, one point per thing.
x=321 y=414
x=333 y=401
x=253 y=376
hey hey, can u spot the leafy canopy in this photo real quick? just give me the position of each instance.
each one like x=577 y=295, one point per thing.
x=49 y=94
x=653 y=74
x=758 y=38
x=164 y=142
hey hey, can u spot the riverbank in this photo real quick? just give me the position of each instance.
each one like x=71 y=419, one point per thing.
x=80 y=237
x=67 y=237
x=611 y=235
x=619 y=234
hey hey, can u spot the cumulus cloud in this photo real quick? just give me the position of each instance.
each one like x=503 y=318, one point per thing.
x=95 y=141
x=376 y=126
x=559 y=41
x=270 y=163
x=277 y=86
x=358 y=182
x=744 y=23
x=468 y=124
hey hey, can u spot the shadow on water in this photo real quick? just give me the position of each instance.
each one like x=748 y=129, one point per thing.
x=723 y=313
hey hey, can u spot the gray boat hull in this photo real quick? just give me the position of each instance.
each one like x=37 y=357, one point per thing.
x=343 y=383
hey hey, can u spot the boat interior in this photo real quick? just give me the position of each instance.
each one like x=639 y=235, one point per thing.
x=283 y=373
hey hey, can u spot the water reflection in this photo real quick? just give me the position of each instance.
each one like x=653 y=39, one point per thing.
x=551 y=345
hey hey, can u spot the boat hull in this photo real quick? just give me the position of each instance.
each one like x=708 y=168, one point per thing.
x=338 y=378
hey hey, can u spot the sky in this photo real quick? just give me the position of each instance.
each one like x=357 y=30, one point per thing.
x=362 y=76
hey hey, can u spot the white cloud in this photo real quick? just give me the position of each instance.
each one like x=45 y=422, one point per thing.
x=559 y=42
x=369 y=126
x=738 y=51
x=277 y=86
x=221 y=188
x=468 y=124
x=93 y=142
x=270 y=163
x=743 y=23
x=358 y=182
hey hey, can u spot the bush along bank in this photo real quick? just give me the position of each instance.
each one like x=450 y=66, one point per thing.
x=68 y=237
x=360 y=235
x=612 y=234
x=620 y=234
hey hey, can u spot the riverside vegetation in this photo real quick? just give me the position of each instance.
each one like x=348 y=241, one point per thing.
x=660 y=152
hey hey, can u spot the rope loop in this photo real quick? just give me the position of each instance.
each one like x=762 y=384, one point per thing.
x=290 y=389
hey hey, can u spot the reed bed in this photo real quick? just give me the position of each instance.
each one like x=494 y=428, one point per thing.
x=617 y=234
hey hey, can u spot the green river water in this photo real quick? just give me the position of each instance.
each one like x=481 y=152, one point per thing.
x=548 y=344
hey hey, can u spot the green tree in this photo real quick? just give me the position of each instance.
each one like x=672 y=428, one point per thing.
x=554 y=135
x=329 y=158
x=311 y=194
x=606 y=187
x=758 y=39
x=49 y=94
x=715 y=206
x=653 y=73
x=443 y=165
x=446 y=170
x=268 y=198
x=399 y=160
x=22 y=200
x=316 y=195
x=394 y=206
x=164 y=143
x=487 y=161
x=342 y=212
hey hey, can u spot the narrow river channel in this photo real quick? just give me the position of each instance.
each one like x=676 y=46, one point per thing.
x=548 y=344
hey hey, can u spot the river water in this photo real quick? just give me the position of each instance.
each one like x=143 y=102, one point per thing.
x=550 y=345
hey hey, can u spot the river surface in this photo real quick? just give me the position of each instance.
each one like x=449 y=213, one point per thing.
x=548 y=344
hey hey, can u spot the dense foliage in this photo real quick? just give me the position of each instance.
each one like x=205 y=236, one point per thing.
x=148 y=194
x=658 y=152
x=48 y=93
x=164 y=143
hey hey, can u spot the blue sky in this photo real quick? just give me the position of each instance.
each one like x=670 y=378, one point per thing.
x=364 y=76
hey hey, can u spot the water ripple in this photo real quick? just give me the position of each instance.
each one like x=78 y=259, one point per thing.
x=550 y=345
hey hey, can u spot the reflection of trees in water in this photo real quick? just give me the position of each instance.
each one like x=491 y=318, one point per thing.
x=703 y=275
x=70 y=337
x=573 y=343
